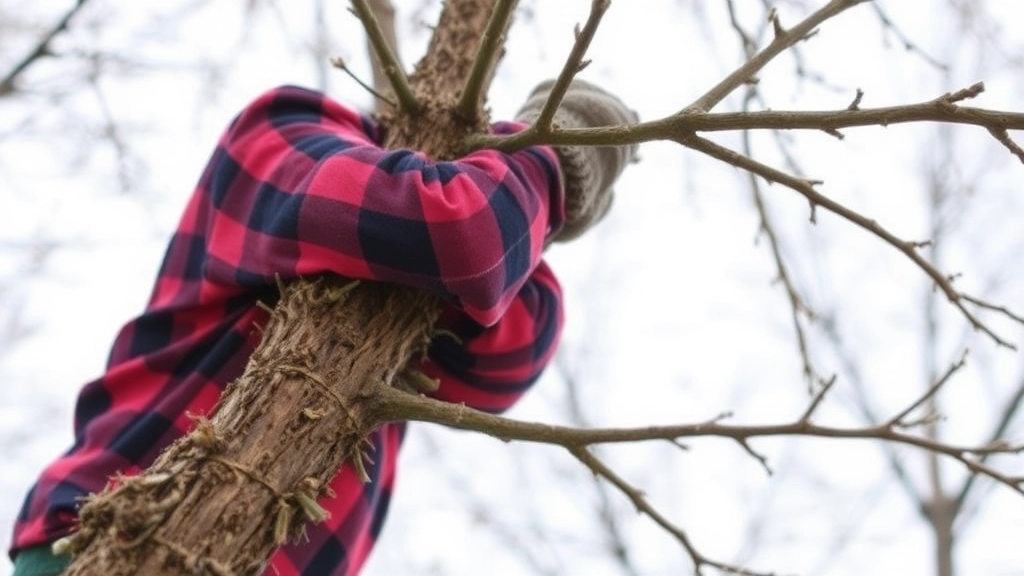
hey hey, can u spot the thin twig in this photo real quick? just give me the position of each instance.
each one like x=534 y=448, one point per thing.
x=573 y=64
x=749 y=46
x=1000 y=309
x=972 y=91
x=908 y=44
x=389 y=61
x=761 y=458
x=1012 y=408
x=384 y=12
x=861 y=398
x=807 y=189
x=1003 y=137
x=113 y=133
x=797 y=305
x=486 y=59
x=339 y=63
x=616 y=541
x=783 y=40
x=898 y=420
x=636 y=496
x=855 y=103
x=513 y=537
x=41 y=49
x=826 y=386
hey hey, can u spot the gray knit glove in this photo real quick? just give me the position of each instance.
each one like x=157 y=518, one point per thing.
x=589 y=171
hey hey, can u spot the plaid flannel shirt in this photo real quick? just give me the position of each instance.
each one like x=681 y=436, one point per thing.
x=298 y=186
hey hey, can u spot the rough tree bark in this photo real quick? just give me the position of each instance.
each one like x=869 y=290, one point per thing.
x=221 y=499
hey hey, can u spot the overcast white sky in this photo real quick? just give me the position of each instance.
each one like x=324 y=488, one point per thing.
x=673 y=313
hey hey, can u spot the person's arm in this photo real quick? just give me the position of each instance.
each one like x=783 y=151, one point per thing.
x=490 y=368
x=298 y=187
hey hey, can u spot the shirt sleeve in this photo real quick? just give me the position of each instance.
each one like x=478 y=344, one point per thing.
x=299 y=186
x=490 y=368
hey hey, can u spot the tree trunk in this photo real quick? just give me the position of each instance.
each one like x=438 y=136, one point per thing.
x=940 y=512
x=223 y=498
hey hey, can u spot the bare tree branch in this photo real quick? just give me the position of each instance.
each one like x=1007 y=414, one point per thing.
x=854 y=376
x=541 y=129
x=387 y=55
x=817 y=399
x=384 y=12
x=398 y=405
x=747 y=42
x=41 y=49
x=573 y=64
x=905 y=40
x=638 y=499
x=486 y=60
x=900 y=419
x=113 y=133
x=797 y=305
x=1000 y=309
x=1010 y=410
x=340 y=64
x=514 y=539
x=943 y=109
x=679 y=127
x=816 y=199
x=614 y=536
x=782 y=41
x=616 y=135
x=579 y=441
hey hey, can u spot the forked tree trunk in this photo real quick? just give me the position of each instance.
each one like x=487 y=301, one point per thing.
x=223 y=498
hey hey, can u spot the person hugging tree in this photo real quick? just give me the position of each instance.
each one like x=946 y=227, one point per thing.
x=299 y=185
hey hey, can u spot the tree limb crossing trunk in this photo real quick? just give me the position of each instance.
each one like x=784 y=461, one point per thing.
x=223 y=498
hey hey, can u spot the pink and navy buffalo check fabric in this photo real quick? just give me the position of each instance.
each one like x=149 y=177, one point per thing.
x=299 y=186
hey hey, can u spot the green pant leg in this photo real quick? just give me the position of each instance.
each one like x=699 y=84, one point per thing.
x=40 y=561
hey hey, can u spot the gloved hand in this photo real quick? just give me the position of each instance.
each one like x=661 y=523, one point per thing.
x=589 y=171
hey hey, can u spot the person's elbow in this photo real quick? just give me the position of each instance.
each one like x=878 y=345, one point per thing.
x=485 y=253
x=487 y=270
